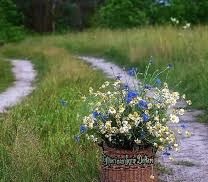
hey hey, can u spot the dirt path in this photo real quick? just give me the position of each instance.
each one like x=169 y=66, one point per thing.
x=24 y=75
x=191 y=162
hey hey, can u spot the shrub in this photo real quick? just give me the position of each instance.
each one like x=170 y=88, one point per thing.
x=121 y=14
x=193 y=11
x=10 y=22
x=131 y=13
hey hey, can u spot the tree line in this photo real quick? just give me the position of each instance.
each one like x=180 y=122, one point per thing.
x=61 y=15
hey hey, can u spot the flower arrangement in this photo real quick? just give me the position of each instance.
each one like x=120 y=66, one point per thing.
x=127 y=118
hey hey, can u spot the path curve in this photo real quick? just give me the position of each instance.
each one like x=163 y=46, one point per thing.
x=193 y=156
x=25 y=74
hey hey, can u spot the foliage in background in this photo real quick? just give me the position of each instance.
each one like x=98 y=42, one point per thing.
x=66 y=16
x=131 y=13
x=193 y=11
x=10 y=22
x=119 y=13
x=59 y=15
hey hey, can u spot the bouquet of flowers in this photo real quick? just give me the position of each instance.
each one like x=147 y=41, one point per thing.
x=128 y=117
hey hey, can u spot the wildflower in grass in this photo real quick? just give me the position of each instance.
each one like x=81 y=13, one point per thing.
x=63 y=102
x=77 y=138
x=131 y=95
x=95 y=114
x=158 y=81
x=187 y=26
x=83 y=129
x=174 y=21
x=170 y=66
x=83 y=98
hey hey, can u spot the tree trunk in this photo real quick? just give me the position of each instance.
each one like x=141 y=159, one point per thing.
x=53 y=10
x=41 y=15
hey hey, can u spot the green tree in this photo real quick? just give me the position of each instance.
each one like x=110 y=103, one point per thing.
x=123 y=13
x=10 y=22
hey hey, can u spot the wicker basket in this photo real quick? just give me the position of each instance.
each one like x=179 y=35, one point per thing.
x=119 y=165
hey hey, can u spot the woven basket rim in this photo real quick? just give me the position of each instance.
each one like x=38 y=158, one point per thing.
x=139 y=149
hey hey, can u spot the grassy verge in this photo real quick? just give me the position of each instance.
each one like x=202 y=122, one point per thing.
x=186 y=49
x=37 y=137
x=6 y=76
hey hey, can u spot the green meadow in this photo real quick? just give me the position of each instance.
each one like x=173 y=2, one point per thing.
x=187 y=50
x=6 y=76
x=37 y=136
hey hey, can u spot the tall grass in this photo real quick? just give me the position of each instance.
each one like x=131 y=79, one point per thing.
x=37 y=136
x=186 y=49
x=6 y=76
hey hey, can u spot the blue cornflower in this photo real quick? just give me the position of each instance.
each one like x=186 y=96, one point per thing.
x=131 y=95
x=132 y=71
x=170 y=66
x=145 y=117
x=96 y=114
x=142 y=104
x=158 y=81
x=83 y=129
x=77 y=138
x=63 y=102
x=166 y=153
